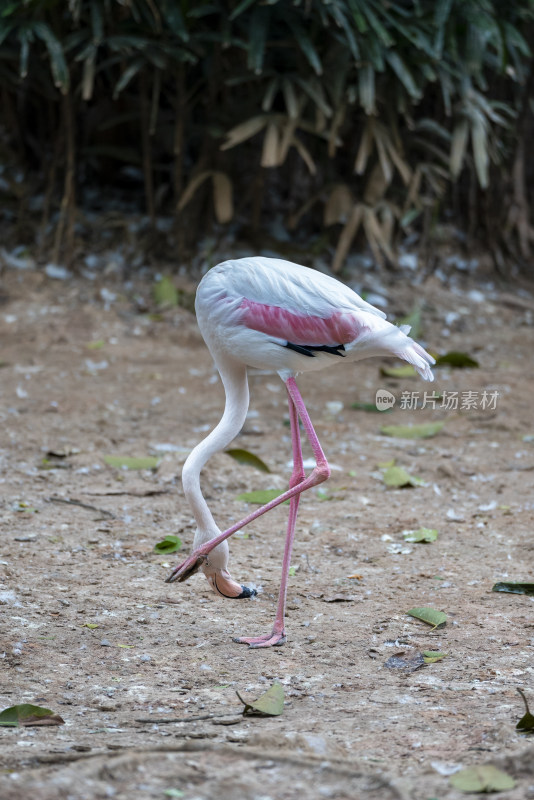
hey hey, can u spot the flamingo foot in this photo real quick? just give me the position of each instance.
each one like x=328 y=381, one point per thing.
x=183 y=571
x=274 y=639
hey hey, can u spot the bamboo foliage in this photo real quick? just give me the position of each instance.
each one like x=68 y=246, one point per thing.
x=374 y=109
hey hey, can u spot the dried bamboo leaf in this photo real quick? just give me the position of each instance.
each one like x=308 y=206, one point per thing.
x=387 y=223
x=381 y=141
x=365 y=149
x=337 y=122
x=458 y=146
x=479 y=141
x=402 y=165
x=347 y=235
x=376 y=186
x=295 y=218
x=271 y=142
x=270 y=94
x=320 y=120
x=412 y=197
x=286 y=140
x=339 y=205
x=290 y=99
x=366 y=86
x=88 y=77
x=305 y=154
x=315 y=92
x=223 y=197
x=191 y=188
x=243 y=131
x=375 y=235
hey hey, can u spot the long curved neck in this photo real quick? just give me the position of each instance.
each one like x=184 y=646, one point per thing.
x=234 y=378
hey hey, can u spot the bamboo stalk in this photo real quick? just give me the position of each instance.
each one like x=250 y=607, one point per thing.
x=178 y=152
x=64 y=238
x=147 y=150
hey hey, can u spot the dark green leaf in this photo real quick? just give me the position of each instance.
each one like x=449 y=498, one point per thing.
x=259 y=25
x=269 y=704
x=513 y=588
x=127 y=76
x=58 y=65
x=174 y=19
x=454 y=358
x=305 y=44
x=370 y=407
x=241 y=7
x=247 y=458
x=28 y=715
x=526 y=723
x=403 y=74
x=170 y=544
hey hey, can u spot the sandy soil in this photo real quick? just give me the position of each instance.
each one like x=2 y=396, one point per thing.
x=148 y=696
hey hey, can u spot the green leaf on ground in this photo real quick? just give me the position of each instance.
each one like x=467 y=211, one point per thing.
x=165 y=292
x=247 y=458
x=407 y=371
x=513 y=588
x=398 y=477
x=454 y=358
x=97 y=345
x=431 y=656
x=526 y=723
x=424 y=431
x=482 y=778
x=421 y=535
x=370 y=407
x=428 y=615
x=28 y=715
x=90 y=625
x=269 y=704
x=170 y=544
x=26 y=507
x=131 y=462
x=413 y=319
x=386 y=464
x=173 y=793
x=260 y=497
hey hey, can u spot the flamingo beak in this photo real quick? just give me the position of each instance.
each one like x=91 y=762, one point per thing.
x=223 y=584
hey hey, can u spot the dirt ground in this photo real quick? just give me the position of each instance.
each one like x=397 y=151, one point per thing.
x=149 y=695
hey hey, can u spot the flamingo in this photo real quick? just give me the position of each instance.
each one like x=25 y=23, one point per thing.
x=272 y=314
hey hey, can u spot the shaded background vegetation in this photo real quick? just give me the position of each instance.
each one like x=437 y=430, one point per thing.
x=341 y=125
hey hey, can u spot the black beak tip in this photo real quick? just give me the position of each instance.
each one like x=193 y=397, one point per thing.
x=247 y=592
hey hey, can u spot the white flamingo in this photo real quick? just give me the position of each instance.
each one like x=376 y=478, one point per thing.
x=272 y=314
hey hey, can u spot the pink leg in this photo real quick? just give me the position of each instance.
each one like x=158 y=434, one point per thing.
x=320 y=473
x=278 y=636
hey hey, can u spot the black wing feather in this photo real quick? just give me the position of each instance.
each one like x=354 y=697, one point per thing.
x=311 y=349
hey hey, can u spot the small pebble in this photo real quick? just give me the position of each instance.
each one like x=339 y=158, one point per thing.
x=105 y=643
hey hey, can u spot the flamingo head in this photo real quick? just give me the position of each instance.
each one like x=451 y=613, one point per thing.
x=215 y=569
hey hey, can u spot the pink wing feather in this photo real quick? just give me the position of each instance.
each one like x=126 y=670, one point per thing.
x=339 y=328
